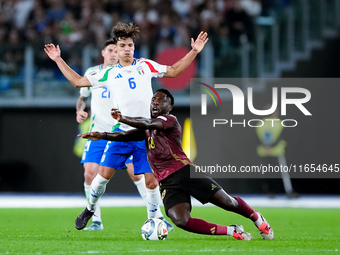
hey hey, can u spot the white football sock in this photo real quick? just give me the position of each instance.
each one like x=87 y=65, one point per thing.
x=159 y=213
x=152 y=203
x=141 y=187
x=259 y=221
x=97 y=214
x=230 y=230
x=98 y=187
x=87 y=192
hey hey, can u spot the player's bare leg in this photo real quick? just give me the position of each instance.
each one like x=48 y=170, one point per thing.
x=90 y=171
x=239 y=206
x=180 y=215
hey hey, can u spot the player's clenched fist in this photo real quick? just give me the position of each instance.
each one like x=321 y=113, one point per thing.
x=116 y=114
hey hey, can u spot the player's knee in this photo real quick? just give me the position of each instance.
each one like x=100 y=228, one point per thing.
x=88 y=176
x=233 y=202
x=136 y=178
x=179 y=215
x=179 y=221
x=224 y=200
x=151 y=185
x=106 y=172
x=150 y=181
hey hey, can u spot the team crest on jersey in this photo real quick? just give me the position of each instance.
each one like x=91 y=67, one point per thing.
x=140 y=70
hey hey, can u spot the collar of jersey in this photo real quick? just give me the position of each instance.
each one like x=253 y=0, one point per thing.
x=133 y=63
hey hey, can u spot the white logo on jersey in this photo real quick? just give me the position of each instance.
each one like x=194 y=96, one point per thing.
x=163 y=118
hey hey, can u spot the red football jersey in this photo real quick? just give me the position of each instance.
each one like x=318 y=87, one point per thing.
x=164 y=147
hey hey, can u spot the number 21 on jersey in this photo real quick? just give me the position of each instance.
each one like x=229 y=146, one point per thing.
x=105 y=93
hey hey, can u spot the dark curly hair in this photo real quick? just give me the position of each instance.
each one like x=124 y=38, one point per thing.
x=168 y=94
x=123 y=30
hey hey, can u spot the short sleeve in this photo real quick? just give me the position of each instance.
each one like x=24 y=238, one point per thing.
x=94 y=78
x=85 y=91
x=168 y=121
x=157 y=70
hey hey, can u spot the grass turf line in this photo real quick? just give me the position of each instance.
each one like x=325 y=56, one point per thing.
x=51 y=231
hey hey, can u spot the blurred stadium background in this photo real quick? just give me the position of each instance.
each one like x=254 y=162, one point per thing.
x=248 y=38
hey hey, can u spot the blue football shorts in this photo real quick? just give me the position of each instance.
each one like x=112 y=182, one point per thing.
x=129 y=160
x=94 y=150
x=116 y=154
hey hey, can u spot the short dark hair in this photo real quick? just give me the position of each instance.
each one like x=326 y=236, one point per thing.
x=168 y=94
x=123 y=30
x=107 y=42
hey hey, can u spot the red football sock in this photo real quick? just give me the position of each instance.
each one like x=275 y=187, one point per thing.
x=245 y=210
x=200 y=226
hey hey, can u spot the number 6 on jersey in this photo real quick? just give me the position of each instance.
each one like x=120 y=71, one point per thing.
x=132 y=84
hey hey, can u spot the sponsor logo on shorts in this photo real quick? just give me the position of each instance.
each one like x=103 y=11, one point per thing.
x=163 y=193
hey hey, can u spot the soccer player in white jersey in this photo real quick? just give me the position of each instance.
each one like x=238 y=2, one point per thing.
x=131 y=82
x=101 y=120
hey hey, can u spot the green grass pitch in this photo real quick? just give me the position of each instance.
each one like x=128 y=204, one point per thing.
x=51 y=231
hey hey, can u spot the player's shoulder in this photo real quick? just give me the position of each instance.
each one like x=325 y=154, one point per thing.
x=109 y=68
x=92 y=70
x=167 y=117
x=144 y=60
x=140 y=60
x=97 y=69
x=148 y=64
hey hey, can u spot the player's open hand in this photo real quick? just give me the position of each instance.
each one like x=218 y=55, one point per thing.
x=116 y=114
x=201 y=40
x=52 y=51
x=94 y=136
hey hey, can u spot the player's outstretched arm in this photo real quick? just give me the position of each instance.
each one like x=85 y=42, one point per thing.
x=137 y=122
x=197 y=46
x=54 y=53
x=131 y=135
x=94 y=136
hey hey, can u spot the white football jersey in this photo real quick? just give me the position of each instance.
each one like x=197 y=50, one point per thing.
x=130 y=87
x=101 y=104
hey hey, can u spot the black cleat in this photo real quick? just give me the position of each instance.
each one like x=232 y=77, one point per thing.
x=83 y=218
